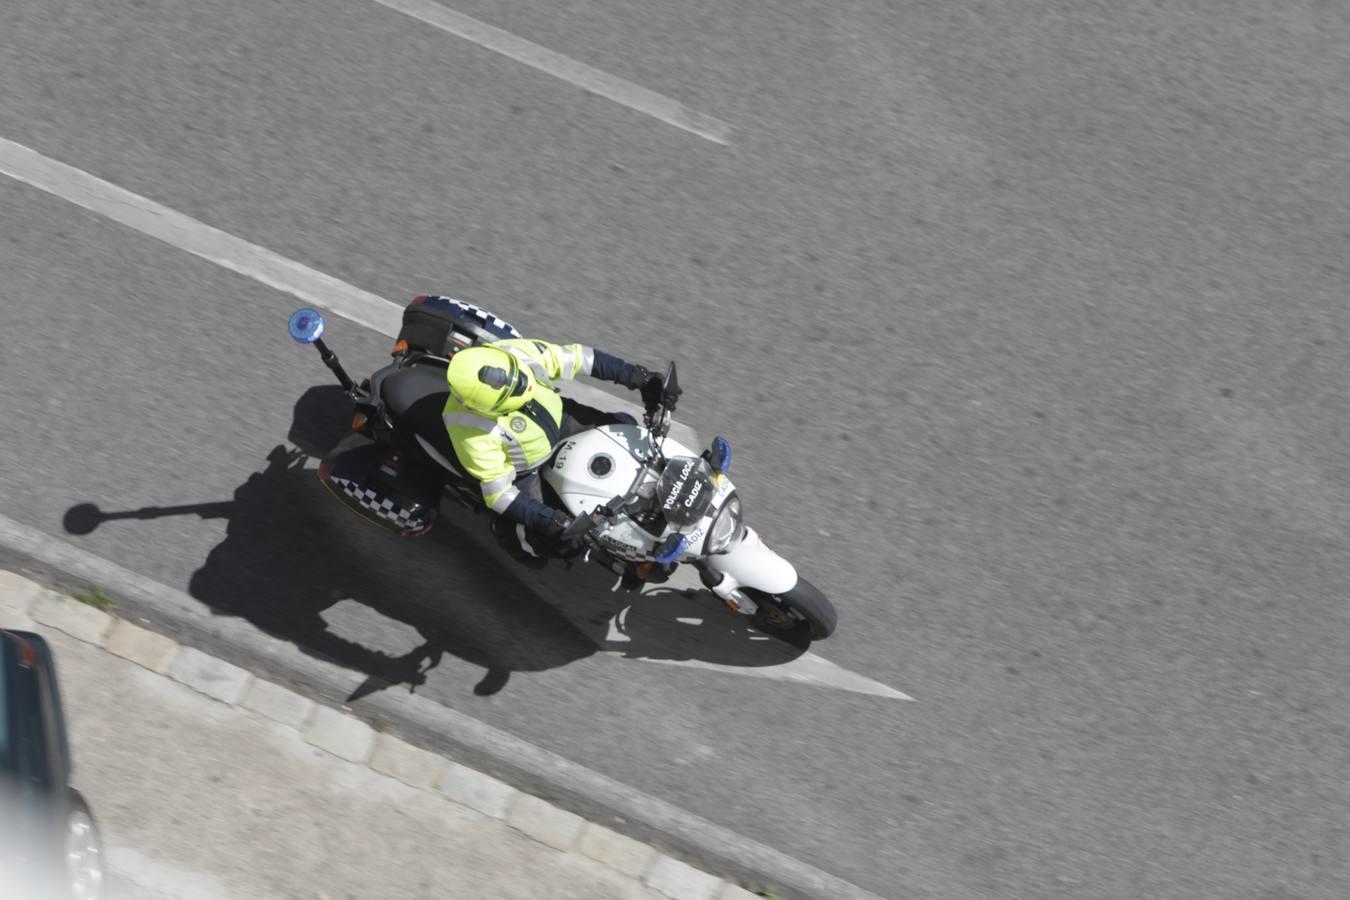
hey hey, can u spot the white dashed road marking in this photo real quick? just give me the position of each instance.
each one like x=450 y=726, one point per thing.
x=805 y=669
x=186 y=233
x=599 y=82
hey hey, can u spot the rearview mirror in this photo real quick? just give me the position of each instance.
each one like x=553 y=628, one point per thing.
x=670 y=387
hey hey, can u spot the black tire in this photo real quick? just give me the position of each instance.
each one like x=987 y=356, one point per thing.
x=800 y=614
x=76 y=887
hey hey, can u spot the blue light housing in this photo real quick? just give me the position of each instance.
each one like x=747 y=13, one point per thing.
x=720 y=458
x=671 y=549
x=306 y=325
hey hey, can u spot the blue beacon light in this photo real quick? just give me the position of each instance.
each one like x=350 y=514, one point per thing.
x=306 y=325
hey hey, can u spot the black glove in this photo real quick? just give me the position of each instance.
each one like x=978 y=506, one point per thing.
x=556 y=524
x=637 y=377
x=653 y=392
x=568 y=530
x=571 y=540
x=650 y=384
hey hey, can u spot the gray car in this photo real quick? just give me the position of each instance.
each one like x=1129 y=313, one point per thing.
x=49 y=843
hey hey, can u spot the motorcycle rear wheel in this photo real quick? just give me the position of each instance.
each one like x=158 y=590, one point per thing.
x=800 y=614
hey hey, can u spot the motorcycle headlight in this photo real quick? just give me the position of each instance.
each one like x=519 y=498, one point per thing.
x=725 y=528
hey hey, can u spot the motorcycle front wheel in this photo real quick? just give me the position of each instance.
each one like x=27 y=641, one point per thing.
x=800 y=614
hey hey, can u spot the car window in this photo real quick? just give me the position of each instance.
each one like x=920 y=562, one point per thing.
x=54 y=751
x=25 y=739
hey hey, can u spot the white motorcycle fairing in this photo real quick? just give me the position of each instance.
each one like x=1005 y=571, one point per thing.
x=751 y=563
x=595 y=466
x=578 y=472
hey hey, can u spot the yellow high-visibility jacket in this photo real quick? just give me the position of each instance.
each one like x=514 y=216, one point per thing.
x=498 y=450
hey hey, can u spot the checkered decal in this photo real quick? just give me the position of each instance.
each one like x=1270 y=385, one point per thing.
x=489 y=321
x=379 y=506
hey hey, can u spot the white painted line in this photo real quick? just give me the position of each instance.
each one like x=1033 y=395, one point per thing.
x=802 y=668
x=272 y=269
x=805 y=669
x=612 y=87
x=186 y=233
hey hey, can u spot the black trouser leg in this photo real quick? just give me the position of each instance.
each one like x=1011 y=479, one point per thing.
x=577 y=417
x=508 y=532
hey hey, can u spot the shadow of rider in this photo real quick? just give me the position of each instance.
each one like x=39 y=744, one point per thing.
x=293 y=560
x=301 y=567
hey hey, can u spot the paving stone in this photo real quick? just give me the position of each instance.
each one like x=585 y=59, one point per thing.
x=79 y=620
x=409 y=764
x=143 y=647
x=213 y=677
x=279 y=704
x=681 y=881
x=476 y=790
x=341 y=735
x=17 y=596
x=545 y=822
x=618 y=851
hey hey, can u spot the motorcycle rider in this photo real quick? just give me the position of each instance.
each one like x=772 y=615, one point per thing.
x=505 y=417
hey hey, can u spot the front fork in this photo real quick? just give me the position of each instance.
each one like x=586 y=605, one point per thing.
x=749 y=563
x=726 y=588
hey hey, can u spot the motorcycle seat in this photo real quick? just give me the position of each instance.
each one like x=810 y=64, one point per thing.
x=415 y=398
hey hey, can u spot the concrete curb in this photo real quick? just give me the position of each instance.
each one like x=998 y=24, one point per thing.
x=347 y=737
x=490 y=764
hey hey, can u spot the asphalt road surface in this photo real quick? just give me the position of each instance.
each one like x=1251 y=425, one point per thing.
x=1027 y=323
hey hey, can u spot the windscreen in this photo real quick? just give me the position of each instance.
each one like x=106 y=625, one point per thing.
x=685 y=490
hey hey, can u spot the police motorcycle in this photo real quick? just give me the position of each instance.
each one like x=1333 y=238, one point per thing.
x=643 y=502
